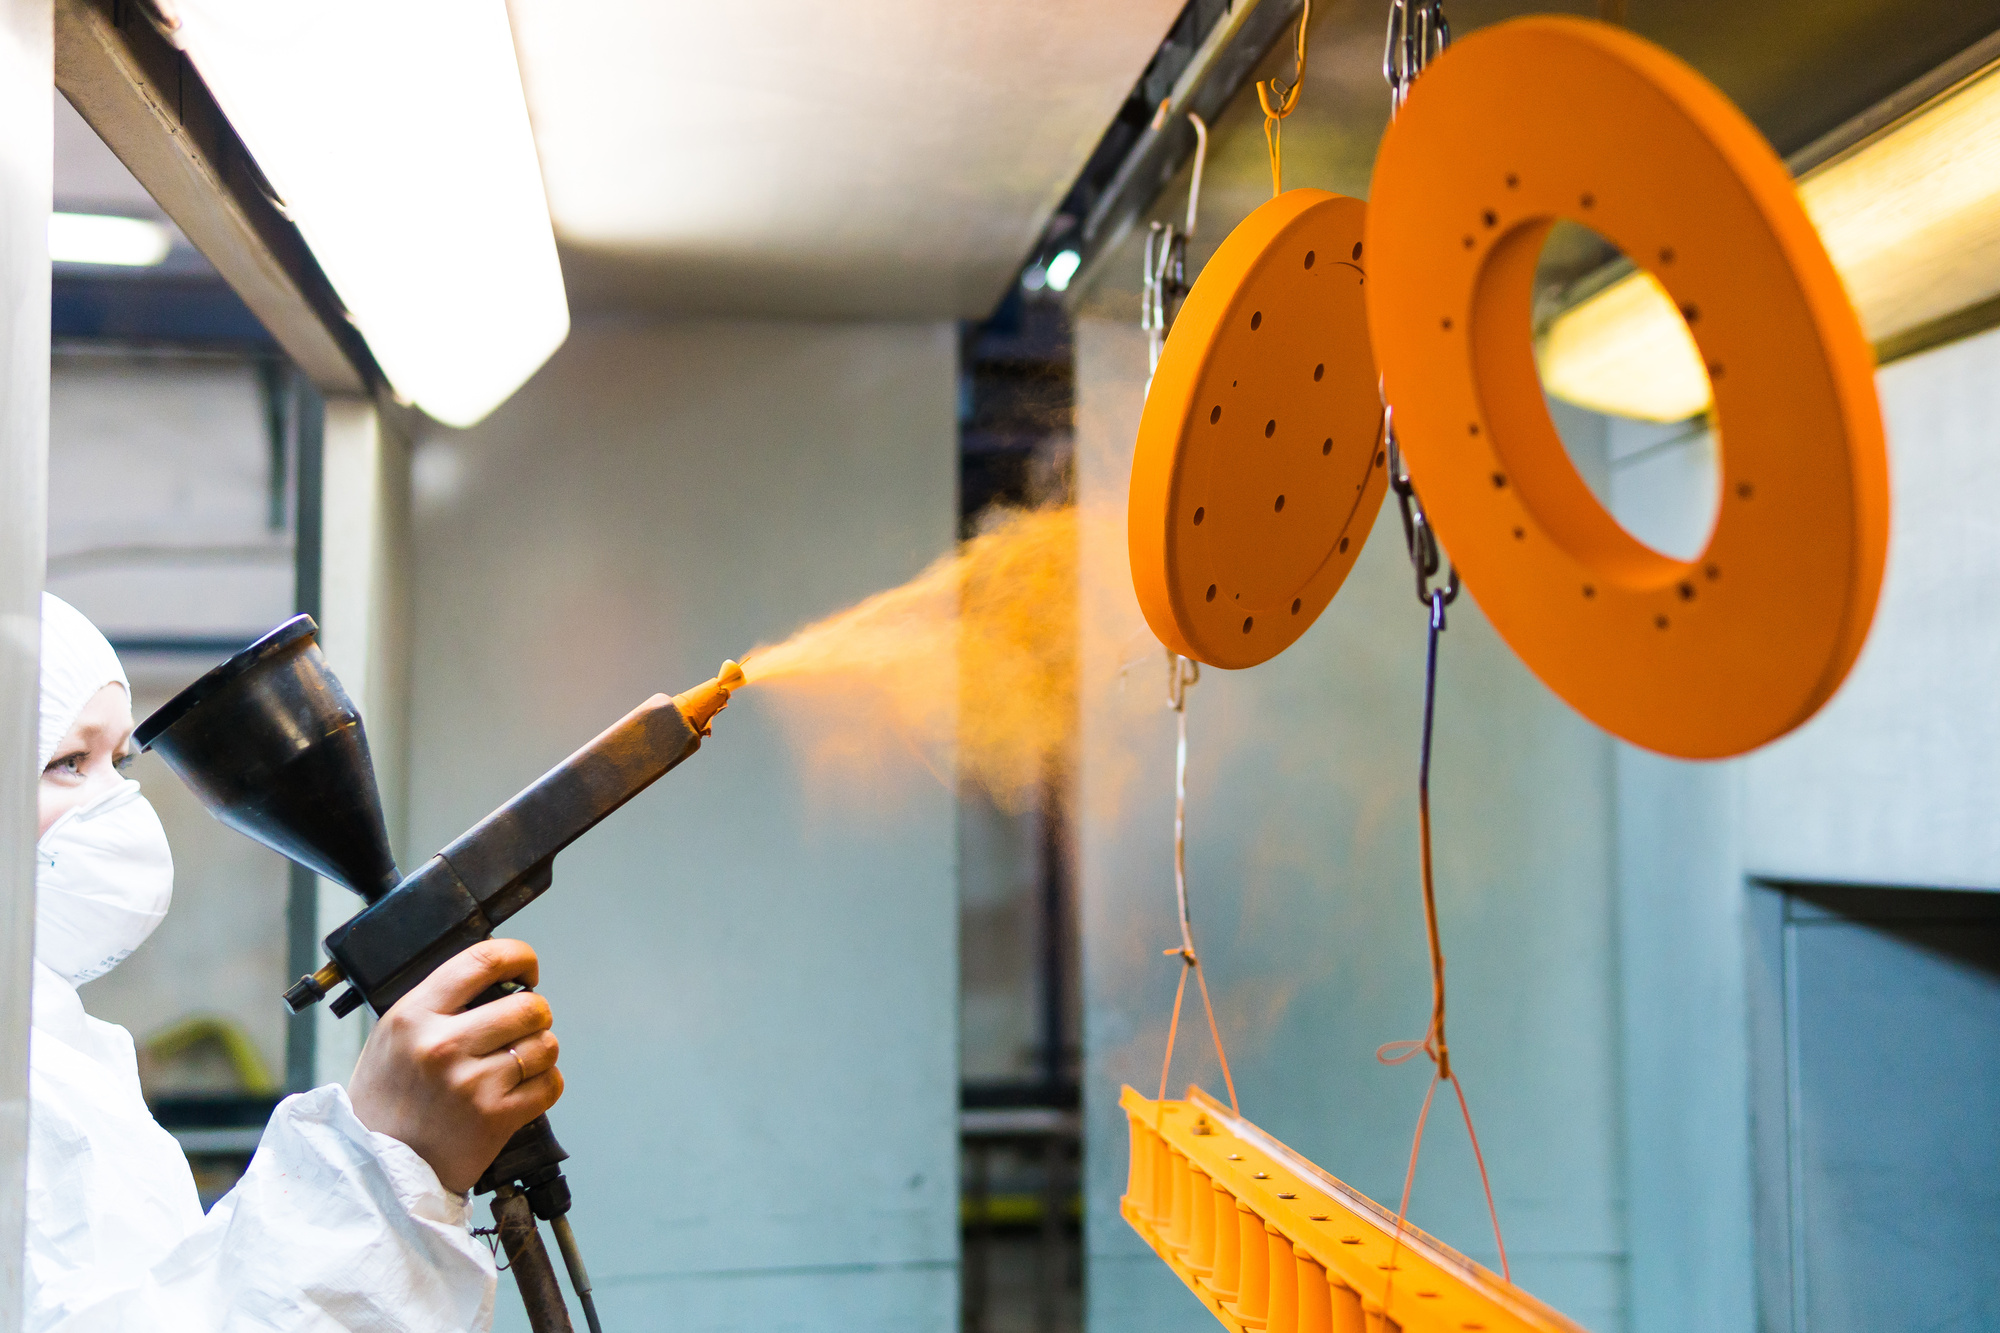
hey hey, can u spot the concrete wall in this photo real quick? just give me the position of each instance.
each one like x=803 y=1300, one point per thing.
x=753 y=967
x=160 y=481
x=25 y=173
x=1893 y=784
x=1302 y=864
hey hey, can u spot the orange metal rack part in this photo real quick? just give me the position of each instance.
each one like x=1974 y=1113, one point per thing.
x=1272 y=1244
x=1549 y=118
x=1258 y=470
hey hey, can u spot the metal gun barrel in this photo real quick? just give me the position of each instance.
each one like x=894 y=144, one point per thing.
x=502 y=863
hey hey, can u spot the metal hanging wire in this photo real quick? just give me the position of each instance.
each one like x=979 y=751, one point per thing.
x=1419 y=33
x=1279 y=100
x=1182 y=673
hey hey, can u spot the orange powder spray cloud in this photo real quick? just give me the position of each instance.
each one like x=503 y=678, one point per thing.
x=975 y=658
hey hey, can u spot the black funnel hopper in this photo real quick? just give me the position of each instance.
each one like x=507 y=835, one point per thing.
x=274 y=748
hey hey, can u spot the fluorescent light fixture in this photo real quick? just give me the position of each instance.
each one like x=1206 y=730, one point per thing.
x=1062 y=268
x=396 y=136
x=97 y=238
x=1625 y=352
x=1910 y=217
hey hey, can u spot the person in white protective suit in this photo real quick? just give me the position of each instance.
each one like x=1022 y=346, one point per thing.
x=354 y=1212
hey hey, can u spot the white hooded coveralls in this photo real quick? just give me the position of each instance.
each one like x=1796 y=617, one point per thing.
x=333 y=1227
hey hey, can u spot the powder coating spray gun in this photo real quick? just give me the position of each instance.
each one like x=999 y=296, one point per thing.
x=272 y=745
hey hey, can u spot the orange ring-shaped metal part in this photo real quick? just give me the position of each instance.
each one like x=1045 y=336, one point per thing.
x=1258 y=470
x=1546 y=118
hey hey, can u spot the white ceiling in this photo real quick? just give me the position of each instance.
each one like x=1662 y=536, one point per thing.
x=889 y=158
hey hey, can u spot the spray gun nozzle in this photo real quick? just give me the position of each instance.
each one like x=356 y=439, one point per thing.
x=310 y=990
x=705 y=700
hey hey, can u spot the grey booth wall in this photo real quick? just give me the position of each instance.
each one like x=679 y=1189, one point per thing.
x=1895 y=783
x=753 y=968
x=1302 y=865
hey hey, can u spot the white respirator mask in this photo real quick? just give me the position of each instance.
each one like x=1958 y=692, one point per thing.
x=103 y=880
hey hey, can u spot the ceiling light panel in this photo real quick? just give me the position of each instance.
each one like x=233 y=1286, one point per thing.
x=1911 y=219
x=99 y=238
x=396 y=136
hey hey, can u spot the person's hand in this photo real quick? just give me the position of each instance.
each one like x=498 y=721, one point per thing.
x=455 y=1083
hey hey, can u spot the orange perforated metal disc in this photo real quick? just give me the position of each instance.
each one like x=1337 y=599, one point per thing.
x=1258 y=469
x=1546 y=118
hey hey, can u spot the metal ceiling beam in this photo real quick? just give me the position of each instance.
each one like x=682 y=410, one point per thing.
x=149 y=105
x=1115 y=190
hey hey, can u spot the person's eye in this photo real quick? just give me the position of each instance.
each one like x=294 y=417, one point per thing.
x=67 y=767
x=124 y=761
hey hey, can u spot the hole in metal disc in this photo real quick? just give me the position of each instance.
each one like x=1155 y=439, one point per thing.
x=1199 y=514
x=1270 y=428
x=1666 y=254
x=1280 y=506
x=1247 y=622
x=1319 y=372
x=1660 y=621
x=1211 y=592
x=1588 y=201
x=1256 y=320
x=1357 y=250
x=1327 y=447
x=1296 y=604
x=1343 y=546
x=1309 y=259
x=1744 y=490
x=1570 y=249
x=1215 y=414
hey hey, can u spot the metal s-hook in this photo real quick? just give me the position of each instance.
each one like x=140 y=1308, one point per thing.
x=1165 y=259
x=1181 y=673
x=1426 y=558
x=1200 y=162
